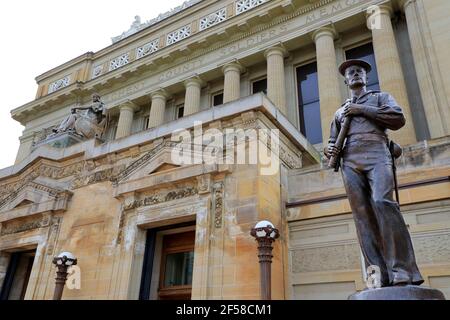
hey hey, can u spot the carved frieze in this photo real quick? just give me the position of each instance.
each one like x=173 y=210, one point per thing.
x=293 y=160
x=21 y=226
x=100 y=176
x=162 y=197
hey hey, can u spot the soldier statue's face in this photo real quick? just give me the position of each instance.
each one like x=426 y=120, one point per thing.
x=95 y=98
x=355 y=77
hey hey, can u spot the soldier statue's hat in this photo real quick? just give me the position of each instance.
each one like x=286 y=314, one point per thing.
x=354 y=62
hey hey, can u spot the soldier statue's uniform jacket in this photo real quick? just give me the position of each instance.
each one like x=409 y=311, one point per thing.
x=369 y=182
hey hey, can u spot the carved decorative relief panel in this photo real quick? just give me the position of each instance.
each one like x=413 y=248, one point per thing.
x=147 y=49
x=119 y=62
x=245 y=5
x=178 y=35
x=213 y=19
x=59 y=84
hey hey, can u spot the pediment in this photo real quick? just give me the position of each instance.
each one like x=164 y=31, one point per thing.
x=36 y=192
x=155 y=161
x=25 y=202
x=164 y=167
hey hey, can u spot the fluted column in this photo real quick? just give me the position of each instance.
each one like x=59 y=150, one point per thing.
x=192 y=99
x=390 y=72
x=328 y=77
x=430 y=82
x=158 y=108
x=276 y=87
x=232 y=81
x=125 y=120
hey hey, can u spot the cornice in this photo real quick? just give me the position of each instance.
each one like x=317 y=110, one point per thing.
x=88 y=56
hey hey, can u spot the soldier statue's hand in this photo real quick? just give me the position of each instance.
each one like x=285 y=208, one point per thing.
x=353 y=109
x=331 y=150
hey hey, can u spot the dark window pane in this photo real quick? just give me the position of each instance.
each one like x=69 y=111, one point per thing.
x=308 y=101
x=365 y=52
x=307 y=78
x=218 y=99
x=259 y=86
x=179 y=268
x=313 y=127
x=180 y=112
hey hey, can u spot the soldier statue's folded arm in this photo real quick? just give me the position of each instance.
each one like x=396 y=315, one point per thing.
x=388 y=115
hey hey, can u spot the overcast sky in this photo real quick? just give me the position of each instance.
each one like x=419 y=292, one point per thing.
x=40 y=35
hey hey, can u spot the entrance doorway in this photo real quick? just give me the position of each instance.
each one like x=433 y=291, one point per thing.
x=17 y=275
x=168 y=263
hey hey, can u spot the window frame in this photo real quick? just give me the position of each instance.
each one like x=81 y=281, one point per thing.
x=297 y=97
x=252 y=81
x=214 y=94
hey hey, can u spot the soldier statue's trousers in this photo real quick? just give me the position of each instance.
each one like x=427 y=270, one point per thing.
x=383 y=236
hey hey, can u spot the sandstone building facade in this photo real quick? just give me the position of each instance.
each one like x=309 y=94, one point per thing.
x=145 y=227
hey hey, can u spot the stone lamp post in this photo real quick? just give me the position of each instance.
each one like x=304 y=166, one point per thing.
x=63 y=261
x=265 y=234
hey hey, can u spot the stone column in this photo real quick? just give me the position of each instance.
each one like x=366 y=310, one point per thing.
x=192 y=99
x=328 y=77
x=232 y=81
x=158 y=108
x=428 y=75
x=276 y=88
x=125 y=120
x=389 y=69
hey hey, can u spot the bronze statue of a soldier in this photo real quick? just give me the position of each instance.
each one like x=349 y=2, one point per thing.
x=367 y=170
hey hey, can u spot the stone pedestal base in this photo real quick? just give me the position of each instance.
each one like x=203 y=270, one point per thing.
x=61 y=140
x=399 y=293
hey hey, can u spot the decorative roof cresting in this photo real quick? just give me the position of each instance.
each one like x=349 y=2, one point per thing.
x=137 y=25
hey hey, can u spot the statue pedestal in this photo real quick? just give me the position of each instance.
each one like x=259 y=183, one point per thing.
x=399 y=293
x=61 y=140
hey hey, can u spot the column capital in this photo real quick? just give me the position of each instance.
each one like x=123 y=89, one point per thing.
x=128 y=105
x=382 y=9
x=276 y=50
x=194 y=81
x=328 y=31
x=233 y=66
x=160 y=93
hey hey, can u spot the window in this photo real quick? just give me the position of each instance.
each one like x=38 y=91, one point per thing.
x=179 y=111
x=17 y=276
x=177 y=264
x=365 y=52
x=217 y=99
x=308 y=102
x=259 y=86
x=146 y=122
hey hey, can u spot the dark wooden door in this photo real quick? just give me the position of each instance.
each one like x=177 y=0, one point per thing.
x=177 y=262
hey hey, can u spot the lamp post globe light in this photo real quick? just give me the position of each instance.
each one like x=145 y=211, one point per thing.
x=265 y=234
x=63 y=261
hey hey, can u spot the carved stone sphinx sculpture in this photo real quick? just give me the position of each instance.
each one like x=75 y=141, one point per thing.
x=88 y=122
